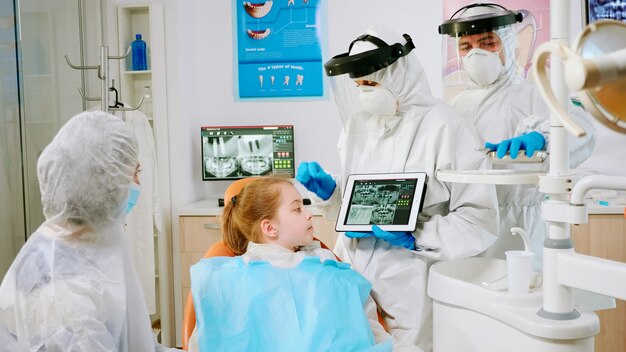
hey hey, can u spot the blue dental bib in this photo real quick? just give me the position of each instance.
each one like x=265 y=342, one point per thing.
x=257 y=307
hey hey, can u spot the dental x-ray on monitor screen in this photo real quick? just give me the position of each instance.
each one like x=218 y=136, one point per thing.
x=596 y=10
x=391 y=201
x=234 y=152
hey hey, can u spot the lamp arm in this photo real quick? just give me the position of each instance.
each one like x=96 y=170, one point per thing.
x=545 y=88
x=586 y=73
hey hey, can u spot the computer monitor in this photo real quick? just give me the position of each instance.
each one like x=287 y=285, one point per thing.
x=596 y=10
x=234 y=152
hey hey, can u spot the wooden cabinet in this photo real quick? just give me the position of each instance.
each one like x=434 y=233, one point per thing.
x=604 y=236
x=198 y=232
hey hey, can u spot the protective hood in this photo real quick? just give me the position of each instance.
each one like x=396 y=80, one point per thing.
x=73 y=285
x=86 y=171
x=405 y=79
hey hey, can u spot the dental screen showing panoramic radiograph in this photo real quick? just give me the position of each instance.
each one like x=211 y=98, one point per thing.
x=234 y=152
x=596 y=10
x=391 y=201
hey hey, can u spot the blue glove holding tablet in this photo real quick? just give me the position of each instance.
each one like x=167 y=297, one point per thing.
x=396 y=238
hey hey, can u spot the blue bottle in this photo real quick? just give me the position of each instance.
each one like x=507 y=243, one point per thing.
x=140 y=61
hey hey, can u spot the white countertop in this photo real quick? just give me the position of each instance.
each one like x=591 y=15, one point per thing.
x=594 y=208
x=605 y=202
x=205 y=207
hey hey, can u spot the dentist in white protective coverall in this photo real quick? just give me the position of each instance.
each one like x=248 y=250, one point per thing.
x=400 y=127
x=509 y=114
x=73 y=287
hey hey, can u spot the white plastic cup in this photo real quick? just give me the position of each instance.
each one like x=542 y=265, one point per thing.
x=519 y=266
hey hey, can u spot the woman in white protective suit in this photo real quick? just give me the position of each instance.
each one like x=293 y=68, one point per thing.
x=507 y=109
x=402 y=127
x=73 y=287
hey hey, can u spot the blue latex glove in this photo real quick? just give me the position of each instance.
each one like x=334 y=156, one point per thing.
x=396 y=238
x=315 y=179
x=359 y=234
x=530 y=142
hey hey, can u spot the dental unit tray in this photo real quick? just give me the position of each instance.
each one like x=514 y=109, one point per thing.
x=538 y=157
x=391 y=201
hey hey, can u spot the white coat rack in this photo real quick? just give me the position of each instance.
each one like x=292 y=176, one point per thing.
x=103 y=67
x=103 y=75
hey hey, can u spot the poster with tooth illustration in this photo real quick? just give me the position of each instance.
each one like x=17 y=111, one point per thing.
x=278 y=48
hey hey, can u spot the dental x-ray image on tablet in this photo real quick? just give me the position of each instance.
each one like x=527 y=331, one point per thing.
x=391 y=201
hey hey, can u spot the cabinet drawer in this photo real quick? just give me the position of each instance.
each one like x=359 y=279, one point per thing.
x=198 y=233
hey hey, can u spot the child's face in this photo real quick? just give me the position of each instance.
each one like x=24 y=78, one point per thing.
x=293 y=221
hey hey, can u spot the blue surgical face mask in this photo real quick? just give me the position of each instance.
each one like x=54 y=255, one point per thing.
x=135 y=189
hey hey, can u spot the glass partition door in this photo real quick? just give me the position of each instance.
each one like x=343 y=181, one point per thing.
x=12 y=223
x=39 y=93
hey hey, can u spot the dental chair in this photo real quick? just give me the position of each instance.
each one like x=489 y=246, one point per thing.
x=220 y=249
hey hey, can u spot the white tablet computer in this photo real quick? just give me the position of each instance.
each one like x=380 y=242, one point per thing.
x=391 y=201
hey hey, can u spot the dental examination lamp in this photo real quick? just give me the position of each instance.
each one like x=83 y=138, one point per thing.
x=594 y=67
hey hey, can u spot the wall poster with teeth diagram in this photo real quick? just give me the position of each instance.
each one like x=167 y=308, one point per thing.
x=279 y=50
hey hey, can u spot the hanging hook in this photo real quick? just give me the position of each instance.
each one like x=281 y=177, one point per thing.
x=80 y=91
x=121 y=57
x=100 y=75
x=129 y=109
x=116 y=103
x=67 y=59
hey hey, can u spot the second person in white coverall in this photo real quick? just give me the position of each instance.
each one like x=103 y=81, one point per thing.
x=402 y=127
x=73 y=286
x=508 y=110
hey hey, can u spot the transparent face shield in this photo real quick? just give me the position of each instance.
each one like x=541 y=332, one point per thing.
x=363 y=105
x=488 y=28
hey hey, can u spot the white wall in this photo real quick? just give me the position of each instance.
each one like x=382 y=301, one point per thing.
x=204 y=81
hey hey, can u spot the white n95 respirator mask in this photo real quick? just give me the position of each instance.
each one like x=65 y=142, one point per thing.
x=483 y=66
x=378 y=101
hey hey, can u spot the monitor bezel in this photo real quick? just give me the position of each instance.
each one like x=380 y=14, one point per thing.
x=283 y=126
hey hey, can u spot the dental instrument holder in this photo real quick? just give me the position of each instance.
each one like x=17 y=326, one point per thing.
x=537 y=157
